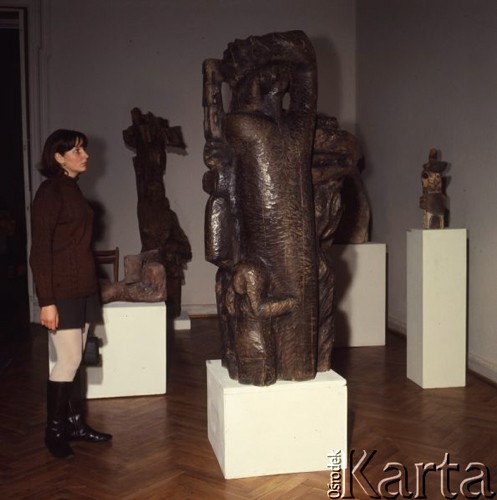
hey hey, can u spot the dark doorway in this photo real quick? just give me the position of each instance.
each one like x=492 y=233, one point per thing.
x=14 y=306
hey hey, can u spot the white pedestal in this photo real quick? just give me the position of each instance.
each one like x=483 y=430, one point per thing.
x=133 y=351
x=182 y=322
x=287 y=427
x=436 y=307
x=360 y=291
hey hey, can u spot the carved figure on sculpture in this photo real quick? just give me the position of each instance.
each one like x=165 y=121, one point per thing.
x=247 y=300
x=335 y=157
x=339 y=150
x=433 y=200
x=150 y=136
x=144 y=280
x=260 y=226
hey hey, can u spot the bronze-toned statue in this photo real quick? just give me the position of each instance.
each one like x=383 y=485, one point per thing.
x=260 y=225
x=149 y=136
x=433 y=200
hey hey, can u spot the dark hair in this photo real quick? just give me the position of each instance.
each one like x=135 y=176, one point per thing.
x=60 y=141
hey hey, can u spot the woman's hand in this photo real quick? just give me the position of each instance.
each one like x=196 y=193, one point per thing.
x=49 y=317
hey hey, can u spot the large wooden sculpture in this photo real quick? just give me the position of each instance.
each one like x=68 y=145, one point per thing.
x=159 y=228
x=260 y=224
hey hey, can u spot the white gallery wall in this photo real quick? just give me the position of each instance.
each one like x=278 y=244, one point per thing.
x=427 y=77
x=405 y=75
x=101 y=58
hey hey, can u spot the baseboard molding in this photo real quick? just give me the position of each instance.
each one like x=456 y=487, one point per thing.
x=479 y=365
x=483 y=367
x=397 y=325
x=200 y=310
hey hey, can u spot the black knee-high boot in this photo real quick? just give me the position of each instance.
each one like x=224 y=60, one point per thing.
x=79 y=430
x=56 y=437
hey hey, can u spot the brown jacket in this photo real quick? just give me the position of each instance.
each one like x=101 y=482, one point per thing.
x=61 y=257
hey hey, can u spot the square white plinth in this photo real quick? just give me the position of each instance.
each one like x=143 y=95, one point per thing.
x=436 y=307
x=182 y=322
x=133 y=351
x=360 y=294
x=287 y=427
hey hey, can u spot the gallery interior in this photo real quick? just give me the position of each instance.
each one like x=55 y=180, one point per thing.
x=404 y=78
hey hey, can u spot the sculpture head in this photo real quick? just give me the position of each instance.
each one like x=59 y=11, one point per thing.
x=248 y=276
x=260 y=69
x=431 y=176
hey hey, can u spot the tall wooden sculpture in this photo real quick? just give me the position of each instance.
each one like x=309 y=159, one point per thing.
x=335 y=156
x=260 y=224
x=159 y=228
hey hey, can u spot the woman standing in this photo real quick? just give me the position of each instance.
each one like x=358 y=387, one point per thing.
x=66 y=284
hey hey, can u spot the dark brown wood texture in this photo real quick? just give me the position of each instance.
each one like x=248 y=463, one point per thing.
x=150 y=137
x=434 y=201
x=144 y=280
x=277 y=172
x=260 y=214
x=161 y=451
x=337 y=158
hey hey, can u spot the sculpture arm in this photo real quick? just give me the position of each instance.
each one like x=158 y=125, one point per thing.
x=277 y=307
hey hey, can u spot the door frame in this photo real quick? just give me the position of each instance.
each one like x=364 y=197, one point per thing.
x=33 y=37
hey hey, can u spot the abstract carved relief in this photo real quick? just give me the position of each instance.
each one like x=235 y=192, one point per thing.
x=150 y=136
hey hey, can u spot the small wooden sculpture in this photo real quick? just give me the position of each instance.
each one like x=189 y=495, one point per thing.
x=149 y=136
x=144 y=280
x=433 y=200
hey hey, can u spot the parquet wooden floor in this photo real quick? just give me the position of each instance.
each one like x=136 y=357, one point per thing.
x=161 y=451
